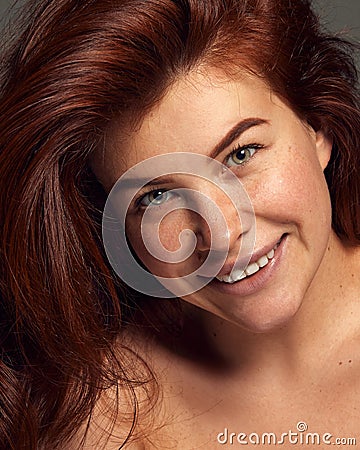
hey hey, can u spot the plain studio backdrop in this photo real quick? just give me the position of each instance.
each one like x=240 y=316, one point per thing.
x=339 y=15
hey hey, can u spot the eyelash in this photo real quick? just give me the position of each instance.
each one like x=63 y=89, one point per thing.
x=139 y=199
x=243 y=148
x=236 y=150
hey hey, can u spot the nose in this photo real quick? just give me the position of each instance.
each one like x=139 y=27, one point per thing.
x=220 y=223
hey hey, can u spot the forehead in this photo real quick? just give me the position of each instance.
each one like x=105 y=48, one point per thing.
x=194 y=115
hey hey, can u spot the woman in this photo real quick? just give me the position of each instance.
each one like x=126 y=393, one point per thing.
x=92 y=90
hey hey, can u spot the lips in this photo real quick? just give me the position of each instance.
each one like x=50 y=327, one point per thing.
x=250 y=269
x=252 y=284
x=256 y=263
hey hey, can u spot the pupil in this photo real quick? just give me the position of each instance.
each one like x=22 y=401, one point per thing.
x=157 y=194
x=240 y=155
x=158 y=197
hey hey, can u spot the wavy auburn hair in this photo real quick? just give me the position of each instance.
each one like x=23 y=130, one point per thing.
x=75 y=67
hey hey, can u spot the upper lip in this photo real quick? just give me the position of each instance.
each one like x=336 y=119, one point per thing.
x=241 y=263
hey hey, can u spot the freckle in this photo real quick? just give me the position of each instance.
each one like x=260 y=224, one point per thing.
x=328 y=249
x=352 y=275
x=341 y=286
x=340 y=363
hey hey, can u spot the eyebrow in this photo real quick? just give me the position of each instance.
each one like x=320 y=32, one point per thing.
x=235 y=133
x=230 y=137
x=132 y=183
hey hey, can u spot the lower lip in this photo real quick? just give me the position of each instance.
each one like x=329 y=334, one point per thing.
x=254 y=283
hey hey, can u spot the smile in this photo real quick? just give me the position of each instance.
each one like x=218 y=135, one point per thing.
x=237 y=275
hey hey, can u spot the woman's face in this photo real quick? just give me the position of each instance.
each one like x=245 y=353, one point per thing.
x=278 y=159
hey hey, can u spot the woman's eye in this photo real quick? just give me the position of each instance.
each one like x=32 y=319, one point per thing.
x=155 y=198
x=242 y=155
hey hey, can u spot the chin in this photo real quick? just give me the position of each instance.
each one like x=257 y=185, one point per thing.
x=264 y=321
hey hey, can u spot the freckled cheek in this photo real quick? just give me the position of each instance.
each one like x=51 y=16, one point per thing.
x=167 y=233
x=166 y=230
x=172 y=225
x=288 y=191
x=150 y=261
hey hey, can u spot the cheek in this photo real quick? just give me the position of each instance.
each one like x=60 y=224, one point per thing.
x=159 y=245
x=294 y=187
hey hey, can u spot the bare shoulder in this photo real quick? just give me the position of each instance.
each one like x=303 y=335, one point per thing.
x=128 y=415
x=164 y=395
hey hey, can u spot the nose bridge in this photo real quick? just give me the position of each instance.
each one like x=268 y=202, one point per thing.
x=219 y=225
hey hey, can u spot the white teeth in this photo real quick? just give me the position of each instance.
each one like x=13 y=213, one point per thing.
x=238 y=275
x=227 y=279
x=263 y=261
x=252 y=268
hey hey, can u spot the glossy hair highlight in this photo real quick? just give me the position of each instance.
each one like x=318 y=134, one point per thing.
x=76 y=67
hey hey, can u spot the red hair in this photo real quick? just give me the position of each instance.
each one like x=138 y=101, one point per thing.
x=75 y=68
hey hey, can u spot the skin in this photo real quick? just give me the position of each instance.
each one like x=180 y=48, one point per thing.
x=284 y=181
x=288 y=338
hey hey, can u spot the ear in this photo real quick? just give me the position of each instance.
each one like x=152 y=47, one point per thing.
x=323 y=148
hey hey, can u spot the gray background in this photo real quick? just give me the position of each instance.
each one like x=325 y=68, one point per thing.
x=338 y=15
